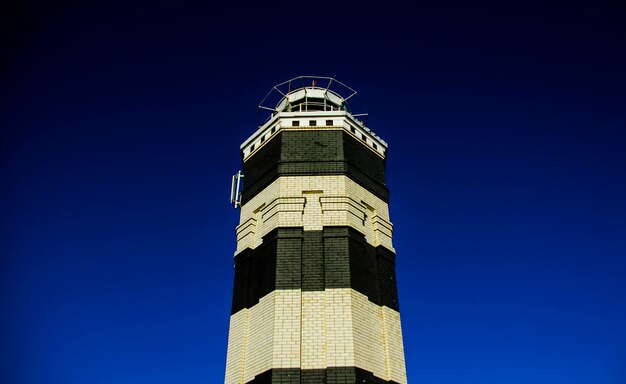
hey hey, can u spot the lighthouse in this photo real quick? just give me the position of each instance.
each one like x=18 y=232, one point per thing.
x=315 y=297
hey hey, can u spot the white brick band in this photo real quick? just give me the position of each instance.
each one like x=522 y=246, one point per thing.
x=315 y=330
x=313 y=202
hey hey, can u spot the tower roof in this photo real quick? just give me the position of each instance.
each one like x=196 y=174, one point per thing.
x=308 y=94
x=312 y=98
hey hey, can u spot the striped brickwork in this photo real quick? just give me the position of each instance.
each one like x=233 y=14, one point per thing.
x=314 y=152
x=313 y=202
x=315 y=330
x=314 y=298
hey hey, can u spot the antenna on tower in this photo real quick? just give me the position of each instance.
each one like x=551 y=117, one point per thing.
x=235 y=189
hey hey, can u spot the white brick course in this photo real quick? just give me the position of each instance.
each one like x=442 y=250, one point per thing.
x=315 y=330
x=313 y=202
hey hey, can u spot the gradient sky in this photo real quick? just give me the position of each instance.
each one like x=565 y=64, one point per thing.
x=121 y=125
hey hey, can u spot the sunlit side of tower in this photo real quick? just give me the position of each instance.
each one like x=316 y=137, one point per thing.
x=314 y=297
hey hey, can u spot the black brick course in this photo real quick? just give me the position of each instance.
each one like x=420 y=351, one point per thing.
x=299 y=153
x=337 y=257
x=331 y=375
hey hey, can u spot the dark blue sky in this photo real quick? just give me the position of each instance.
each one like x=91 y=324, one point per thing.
x=121 y=126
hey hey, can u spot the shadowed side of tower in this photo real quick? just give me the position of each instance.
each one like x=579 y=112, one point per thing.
x=314 y=297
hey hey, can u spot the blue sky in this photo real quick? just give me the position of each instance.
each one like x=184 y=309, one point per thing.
x=121 y=125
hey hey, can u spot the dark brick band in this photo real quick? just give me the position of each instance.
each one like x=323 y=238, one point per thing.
x=330 y=375
x=337 y=257
x=311 y=153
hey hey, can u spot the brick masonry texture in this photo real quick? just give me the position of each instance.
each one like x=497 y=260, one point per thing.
x=336 y=257
x=313 y=202
x=328 y=152
x=314 y=296
x=333 y=375
x=312 y=331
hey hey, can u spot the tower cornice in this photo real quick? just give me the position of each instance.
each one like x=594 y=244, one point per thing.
x=315 y=120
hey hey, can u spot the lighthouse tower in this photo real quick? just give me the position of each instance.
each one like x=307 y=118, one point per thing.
x=314 y=298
